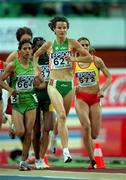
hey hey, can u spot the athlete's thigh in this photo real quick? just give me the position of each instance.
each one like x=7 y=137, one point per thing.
x=30 y=117
x=68 y=100
x=56 y=99
x=95 y=117
x=49 y=119
x=18 y=120
x=82 y=110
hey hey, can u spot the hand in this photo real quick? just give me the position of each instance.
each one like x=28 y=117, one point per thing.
x=70 y=58
x=101 y=94
x=37 y=81
x=13 y=92
x=37 y=73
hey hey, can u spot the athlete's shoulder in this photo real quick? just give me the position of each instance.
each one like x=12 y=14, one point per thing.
x=72 y=40
x=10 y=66
x=73 y=43
x=12 y=56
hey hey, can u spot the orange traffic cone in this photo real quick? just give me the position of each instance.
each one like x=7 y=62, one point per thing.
x=46 y=159
x=3 y=157
x=98 y=156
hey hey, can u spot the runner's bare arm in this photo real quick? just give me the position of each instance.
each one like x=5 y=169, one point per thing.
x=7 y=72
x=85 y=56
x=44 y=48
x=12 y=56
x=105 y=71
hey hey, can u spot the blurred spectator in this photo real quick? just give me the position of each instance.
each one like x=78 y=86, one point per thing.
x=47 y=9
x=77 y=8
x=98 y=8
x=29 y=9
x=66 y=8
x=9 y=9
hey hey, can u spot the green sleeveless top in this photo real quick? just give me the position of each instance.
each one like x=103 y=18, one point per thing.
x=57 y=60
x=23 y=80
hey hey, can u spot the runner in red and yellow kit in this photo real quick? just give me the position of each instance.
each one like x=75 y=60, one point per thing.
x=88 y=94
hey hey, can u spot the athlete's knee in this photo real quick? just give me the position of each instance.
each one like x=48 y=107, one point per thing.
x=46 y=129
x=62 y=116
x=94 y=135
x=19 y=132
x=87 y=128
x=28 y=133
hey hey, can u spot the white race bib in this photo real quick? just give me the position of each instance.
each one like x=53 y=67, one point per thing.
x=45 y=72
x=24 y=83
x=86 y=79
x=58 y=61
x=15 y=99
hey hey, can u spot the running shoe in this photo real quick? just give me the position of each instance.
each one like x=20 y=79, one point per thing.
x=23 y=166
x=67 y=157
x=40 y=164
x=92 y=165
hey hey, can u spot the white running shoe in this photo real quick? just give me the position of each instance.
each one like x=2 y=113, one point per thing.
x=39 y=164
x=67 y=158
x=24 y=166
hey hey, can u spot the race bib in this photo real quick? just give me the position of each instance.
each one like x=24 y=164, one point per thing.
x=24 y=83
x=86 y=79
x=58 y=61
x=45 y=72
x=14 y=99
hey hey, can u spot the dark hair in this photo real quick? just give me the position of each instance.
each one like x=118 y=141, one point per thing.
x=84 y=38
x=92 y=50
x=23 y=42
x=23 y=30
x=52 y=22
x=36 y=39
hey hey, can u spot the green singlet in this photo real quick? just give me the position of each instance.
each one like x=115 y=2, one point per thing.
x=22 y=81
x=58 y=62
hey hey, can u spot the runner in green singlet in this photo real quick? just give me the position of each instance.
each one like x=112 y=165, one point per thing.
x=24 y=100
x=44 y=123
x=21 y=34
x=60 y=87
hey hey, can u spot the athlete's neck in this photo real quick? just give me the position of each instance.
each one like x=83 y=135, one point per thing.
x=25 y=62
x=60 y=40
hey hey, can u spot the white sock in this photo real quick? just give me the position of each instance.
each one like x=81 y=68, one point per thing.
x=66 y=151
